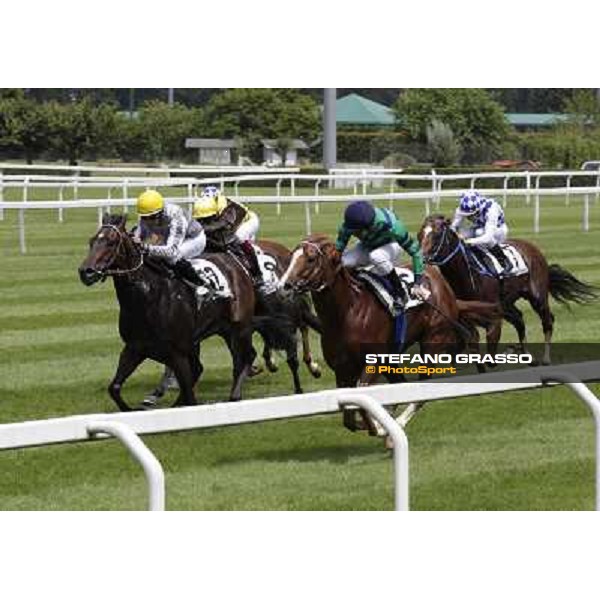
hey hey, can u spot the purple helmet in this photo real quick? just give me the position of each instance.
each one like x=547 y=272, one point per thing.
x=470 y=203
x=359 y=215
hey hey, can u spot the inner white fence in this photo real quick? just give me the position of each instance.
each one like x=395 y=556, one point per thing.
x=128 y=426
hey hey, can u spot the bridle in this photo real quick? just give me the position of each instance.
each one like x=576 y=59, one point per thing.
x=303 y=284
x=460 y=247
x=107 y=271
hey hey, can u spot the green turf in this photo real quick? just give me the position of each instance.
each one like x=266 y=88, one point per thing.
x=58 y=350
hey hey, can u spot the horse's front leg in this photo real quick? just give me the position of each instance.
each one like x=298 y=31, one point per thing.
x=129 y=360
x=186 y=376
x=243 y=354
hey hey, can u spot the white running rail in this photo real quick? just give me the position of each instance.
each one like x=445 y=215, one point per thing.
x=127 y=425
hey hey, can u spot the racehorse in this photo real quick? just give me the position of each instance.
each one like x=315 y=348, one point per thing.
x=443 y=247
x=159 y=317
x=352 y=316
x=276 y=319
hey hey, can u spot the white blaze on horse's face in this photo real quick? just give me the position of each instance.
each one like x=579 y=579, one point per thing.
x=427 y=230
x=290 y=270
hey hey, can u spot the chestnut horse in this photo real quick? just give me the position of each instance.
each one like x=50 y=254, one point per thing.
x=443 y=248
x=352 y=316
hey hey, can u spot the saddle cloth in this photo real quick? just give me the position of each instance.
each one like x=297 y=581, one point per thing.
x=380 y=288
x=268 y=267
x=515 y=260
x=220 y=284
x=209 y=271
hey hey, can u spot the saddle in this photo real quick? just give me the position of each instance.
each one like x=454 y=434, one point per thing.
x=380 y=288
x=487 y=263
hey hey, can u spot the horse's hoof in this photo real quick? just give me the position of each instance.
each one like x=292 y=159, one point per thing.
x=254 y=371
x=171 y=383
x=316 y=372
x=273 y=368
x=149 y=402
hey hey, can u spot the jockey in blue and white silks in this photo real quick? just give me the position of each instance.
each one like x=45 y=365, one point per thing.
x=488 y=225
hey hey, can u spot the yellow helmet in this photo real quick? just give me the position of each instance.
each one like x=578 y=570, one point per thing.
x=205 y=207
x=149 y=203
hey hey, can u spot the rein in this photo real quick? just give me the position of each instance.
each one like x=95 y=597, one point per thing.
x=460 y=247
x=108 y=272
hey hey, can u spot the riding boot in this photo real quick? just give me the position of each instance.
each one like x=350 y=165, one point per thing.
x=397 y=289
x=183 y=268
x=255 y=270
x=501 y=258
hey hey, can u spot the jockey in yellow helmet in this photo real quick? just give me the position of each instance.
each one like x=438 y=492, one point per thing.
x=165 y=232
x=229 y=225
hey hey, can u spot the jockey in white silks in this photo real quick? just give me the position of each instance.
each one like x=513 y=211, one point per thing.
x=488 y=226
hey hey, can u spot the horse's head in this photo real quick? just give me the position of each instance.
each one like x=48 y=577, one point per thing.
x=313 y=265
x=106 y=249
x=438 y=240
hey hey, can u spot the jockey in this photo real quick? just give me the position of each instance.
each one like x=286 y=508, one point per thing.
x=184 y=239
x=229 y=224
x=488 y=227
x=381 y=235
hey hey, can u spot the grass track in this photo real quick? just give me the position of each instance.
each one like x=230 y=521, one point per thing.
x=58 y=350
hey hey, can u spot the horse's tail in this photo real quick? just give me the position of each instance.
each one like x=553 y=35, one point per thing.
x=277 y=330
x=565 y=287
x=307 y=316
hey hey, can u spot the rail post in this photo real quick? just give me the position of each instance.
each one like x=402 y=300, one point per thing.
x=317 y=184
x=568 y=195
x=585 y=225
x=586 y=395
x=22 y=243
x=536 y=210
x=504 y=194
x=278 y=194
x=125 y=195
x=1 y=194
x=153 y=470
x=401 y=464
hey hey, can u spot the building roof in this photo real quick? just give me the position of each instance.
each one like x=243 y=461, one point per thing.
x=210 y=143
x=535 y=119
x=356 y=110
x=295 y=144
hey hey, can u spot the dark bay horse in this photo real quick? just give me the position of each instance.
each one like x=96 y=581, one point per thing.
x=159 y=317
x=351 y=315
x=298 y=308
x=442 y=247
x=277 y=319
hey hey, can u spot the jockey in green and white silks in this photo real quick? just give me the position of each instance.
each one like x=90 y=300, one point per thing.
x=488 y=226
x=381 y=237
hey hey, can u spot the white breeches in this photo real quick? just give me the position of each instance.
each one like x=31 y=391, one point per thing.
x=193 y=247
x=498 y=237
x=248 y=230
x=382 y=258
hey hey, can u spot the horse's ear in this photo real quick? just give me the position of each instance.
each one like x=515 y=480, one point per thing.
x=106 y=218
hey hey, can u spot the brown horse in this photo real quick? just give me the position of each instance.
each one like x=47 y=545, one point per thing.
x=442 y=247
x=352 y=316
x=277 y=320
x=159 y=317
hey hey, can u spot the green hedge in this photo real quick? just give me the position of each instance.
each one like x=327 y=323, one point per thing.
x=554 y=151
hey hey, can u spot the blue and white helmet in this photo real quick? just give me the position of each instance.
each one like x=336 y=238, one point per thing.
x=470 y=203
x=210 y=191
